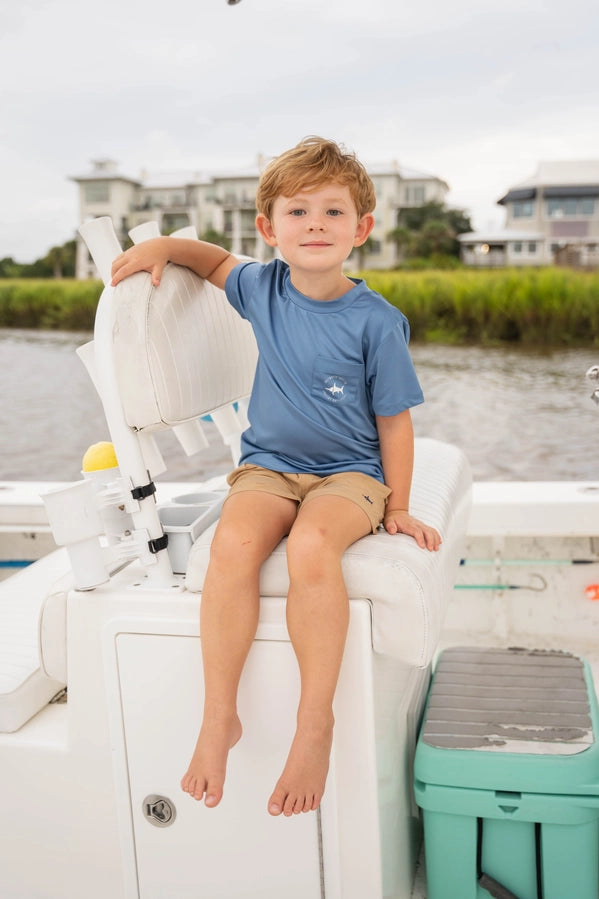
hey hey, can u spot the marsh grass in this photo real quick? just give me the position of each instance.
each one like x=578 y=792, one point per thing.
x=541 y=307
x=55 y=304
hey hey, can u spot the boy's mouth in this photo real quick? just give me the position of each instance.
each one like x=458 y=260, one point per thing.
x=316 y=243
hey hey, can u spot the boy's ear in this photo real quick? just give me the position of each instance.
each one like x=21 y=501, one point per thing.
x=365 y=226
x=265 y=230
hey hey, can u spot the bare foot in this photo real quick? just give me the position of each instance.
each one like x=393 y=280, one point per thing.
x=206 y=772
x=301 y=785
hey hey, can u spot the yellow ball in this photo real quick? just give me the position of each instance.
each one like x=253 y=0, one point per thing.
x=99 y=456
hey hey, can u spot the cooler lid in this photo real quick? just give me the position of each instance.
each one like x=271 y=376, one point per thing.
x=489 y=703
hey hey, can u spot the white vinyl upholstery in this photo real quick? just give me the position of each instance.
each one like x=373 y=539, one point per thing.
x=409 y=587
x=32 y=639
x=181 y=351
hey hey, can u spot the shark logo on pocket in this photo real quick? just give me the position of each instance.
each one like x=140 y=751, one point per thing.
x=334 y=387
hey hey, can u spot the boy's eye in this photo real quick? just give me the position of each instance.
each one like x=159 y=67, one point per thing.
x=297 y=212
x=334 y=212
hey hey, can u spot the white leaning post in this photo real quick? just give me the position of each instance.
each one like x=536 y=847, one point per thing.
x=103 y=245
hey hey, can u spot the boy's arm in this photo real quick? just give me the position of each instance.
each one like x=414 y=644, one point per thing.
x=205 y=259
x=396 y=437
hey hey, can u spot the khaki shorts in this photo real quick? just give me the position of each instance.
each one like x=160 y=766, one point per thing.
x=368 y=493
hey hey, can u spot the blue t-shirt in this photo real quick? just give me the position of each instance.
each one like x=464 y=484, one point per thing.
x=325 y=369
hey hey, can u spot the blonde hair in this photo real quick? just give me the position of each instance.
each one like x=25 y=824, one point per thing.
x=307 y=166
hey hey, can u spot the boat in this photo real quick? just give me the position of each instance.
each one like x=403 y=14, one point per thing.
x=100 y=661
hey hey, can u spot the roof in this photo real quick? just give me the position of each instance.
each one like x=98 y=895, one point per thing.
x=102 y=170
x=172 y=179
x=577 y=171
x=404 y=172
x=107 y=169
x=578 y=177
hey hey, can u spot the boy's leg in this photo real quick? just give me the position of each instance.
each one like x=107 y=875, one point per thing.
x=251 y=525
x=317 y=619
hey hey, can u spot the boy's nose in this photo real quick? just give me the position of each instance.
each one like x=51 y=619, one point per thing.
x=316 y=224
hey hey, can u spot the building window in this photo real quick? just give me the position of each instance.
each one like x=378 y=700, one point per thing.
x=248 y=220
x=532 y=247
x=572 y=206
x=517 y=246
x=97 y=192
x=152 y=201
x=523 y=209
x=172 y=221
x=415 y=196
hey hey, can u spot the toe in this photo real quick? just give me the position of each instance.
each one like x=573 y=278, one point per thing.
x=197 y=792
x=289 y=806
x=276 y=802
x=188 y=783
x=214 y=792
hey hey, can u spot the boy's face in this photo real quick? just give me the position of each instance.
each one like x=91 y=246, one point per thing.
x=316 y=230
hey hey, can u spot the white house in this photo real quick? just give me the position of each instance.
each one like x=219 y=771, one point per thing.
x=225 y=202
x=551 y=218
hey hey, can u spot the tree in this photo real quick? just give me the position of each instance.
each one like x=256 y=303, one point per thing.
x=402 y=239
x=362 y=251
x=436 y=237
x=59 y=262
x=430 y=229
x=9 y=268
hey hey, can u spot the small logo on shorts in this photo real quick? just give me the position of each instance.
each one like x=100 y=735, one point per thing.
x=367 y=498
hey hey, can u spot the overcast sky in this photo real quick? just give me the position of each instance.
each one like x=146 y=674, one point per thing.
x=474 y=91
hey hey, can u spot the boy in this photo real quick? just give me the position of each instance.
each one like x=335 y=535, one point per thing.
x=327 y=457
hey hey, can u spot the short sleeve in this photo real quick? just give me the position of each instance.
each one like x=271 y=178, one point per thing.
x=240 y=285
x=393 y=380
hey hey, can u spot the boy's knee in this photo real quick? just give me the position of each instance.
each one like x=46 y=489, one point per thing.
x=232 y=546
x=308 y=553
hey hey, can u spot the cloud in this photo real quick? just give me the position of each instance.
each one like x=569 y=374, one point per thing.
x=476 y=93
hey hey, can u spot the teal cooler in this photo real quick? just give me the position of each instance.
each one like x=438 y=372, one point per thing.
x=507 y=776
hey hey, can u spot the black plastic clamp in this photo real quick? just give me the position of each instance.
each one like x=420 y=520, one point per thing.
x=158 y=543
x=143 y=492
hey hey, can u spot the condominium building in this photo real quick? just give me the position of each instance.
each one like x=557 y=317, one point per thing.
x=224 y=202
x=551 y=218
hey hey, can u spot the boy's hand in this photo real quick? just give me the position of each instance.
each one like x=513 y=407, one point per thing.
x=148 y=256
x=399 y=521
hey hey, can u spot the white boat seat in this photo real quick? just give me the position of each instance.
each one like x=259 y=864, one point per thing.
x=33 y=639
x=181 y=351
x=408 y=587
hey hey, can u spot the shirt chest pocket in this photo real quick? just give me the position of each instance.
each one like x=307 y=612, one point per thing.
x=336 y=381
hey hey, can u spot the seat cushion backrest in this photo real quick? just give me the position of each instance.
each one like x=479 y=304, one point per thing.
x=33 y=638
x=181 y=351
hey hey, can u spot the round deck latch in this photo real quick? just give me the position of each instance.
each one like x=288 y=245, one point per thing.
x=159 y=810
